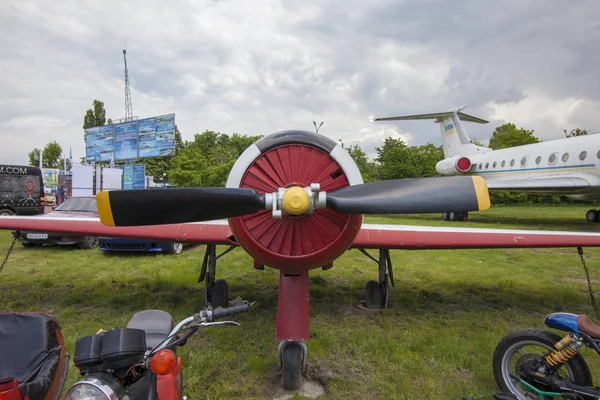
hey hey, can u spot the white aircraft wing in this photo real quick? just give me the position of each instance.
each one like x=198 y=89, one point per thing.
x=558 y=184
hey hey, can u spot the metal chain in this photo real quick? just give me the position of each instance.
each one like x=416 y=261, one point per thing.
x=589 y=282
x=10 y=249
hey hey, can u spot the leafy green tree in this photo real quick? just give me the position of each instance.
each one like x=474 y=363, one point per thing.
x=50 y=156
x=96 y=116
x=399 y=161
x=508 y=135
x=367 y=167
x=575 y=132
x=207 y=160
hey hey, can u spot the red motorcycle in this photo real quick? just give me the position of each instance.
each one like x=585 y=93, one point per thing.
x=133 y=363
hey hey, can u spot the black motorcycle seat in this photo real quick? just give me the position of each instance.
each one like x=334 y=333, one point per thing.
x=156 y=323
x=31 y=350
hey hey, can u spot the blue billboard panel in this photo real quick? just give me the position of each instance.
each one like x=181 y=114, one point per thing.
x=128 y=177
x=139 y=176
x=149 y=137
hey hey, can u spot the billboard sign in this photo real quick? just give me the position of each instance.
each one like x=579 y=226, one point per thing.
x=149 y=137
x=134 y=176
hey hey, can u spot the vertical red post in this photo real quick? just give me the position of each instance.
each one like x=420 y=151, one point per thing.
x=292 y=307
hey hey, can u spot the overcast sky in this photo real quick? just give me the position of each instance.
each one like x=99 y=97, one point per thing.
x=261 y=66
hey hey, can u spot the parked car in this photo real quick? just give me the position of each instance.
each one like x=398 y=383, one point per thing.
x=139 y=245
x=21 y=190
x=71 y=208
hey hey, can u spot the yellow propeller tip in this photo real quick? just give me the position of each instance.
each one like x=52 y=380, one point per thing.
x=104 y=210
x=482 y=193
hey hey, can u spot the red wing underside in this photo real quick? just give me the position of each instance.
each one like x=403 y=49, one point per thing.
x=370 y=236
x=212 y=232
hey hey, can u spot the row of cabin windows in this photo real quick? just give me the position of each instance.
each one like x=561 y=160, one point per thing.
x=538 y=160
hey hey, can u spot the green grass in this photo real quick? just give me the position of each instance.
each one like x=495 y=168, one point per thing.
x=449 y=309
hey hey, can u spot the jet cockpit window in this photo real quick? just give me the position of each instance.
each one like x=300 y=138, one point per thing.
x=583 y=155
x=538 y=159
x=523 y=161
x=512 y=162
x=552 y=159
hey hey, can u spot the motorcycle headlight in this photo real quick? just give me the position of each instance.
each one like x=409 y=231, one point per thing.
x=94 y=387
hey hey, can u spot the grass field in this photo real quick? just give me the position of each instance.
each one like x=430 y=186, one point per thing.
x=449 y=309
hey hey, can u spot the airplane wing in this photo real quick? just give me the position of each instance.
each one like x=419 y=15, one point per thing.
x=371 y=236
x=409 y=237
x=540 y=184
x=210 y=232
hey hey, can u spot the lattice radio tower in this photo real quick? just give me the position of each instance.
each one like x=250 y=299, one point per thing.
x=128 y=106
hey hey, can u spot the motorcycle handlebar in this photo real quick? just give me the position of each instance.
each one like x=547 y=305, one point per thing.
x=223 y=312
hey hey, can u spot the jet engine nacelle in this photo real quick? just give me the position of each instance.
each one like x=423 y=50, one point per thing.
x=282 y=160
x=454 y=165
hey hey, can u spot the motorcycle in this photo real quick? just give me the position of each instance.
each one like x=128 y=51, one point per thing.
x=537 y=364
x=136 y=362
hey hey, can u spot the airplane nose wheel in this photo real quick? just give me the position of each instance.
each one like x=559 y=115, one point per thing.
x=291 y=355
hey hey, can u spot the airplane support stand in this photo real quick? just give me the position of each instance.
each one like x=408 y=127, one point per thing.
x=216 y=292
x=292 y=327
x=377 y=293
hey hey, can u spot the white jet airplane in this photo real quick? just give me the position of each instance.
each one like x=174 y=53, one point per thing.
x=569 y=166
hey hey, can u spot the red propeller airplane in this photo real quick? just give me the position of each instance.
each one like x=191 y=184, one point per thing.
x=295 y=201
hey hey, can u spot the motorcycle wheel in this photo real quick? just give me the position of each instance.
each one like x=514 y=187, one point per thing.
x=517 y=347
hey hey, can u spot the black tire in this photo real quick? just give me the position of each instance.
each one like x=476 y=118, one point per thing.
x=175 y=248
x=591 y=216
x=291 y=367
x=373 y=295
x=89 y=242
x=6 y=211
x=576 y=369
x=220 y=294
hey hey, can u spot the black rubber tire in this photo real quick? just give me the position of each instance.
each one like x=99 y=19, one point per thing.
x=176 y=248
x=373 y=295
x=579 y=370
x=591 y=216
x=6 y=211
x=291 y=367
x=220 y=294
x=89 y=242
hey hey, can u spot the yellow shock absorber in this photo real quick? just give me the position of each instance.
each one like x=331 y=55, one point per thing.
x=565 y=350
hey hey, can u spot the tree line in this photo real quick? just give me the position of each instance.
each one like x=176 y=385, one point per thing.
x=207 y=159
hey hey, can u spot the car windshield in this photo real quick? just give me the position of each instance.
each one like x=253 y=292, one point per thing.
x=79 y=204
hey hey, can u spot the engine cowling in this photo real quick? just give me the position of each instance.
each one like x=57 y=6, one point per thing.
x=286 y=159
x=454 y=165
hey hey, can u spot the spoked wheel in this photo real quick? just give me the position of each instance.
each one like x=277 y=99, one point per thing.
x=176 y=248
x=220 y=294
x=519 y=350
x=89 y=242
x=291 y=367
x=374 y=295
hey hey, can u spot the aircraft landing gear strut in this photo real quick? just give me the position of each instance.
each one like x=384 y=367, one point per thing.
x=216 y=292
x=377 y=293
x=292 y=327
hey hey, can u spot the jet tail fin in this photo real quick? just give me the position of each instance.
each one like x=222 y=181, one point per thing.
x=454 y=137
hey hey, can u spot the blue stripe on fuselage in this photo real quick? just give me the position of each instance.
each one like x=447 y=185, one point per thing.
x=538 y=169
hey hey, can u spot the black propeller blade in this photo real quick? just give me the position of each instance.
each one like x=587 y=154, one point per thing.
x=173 y=206
x=406 y=196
